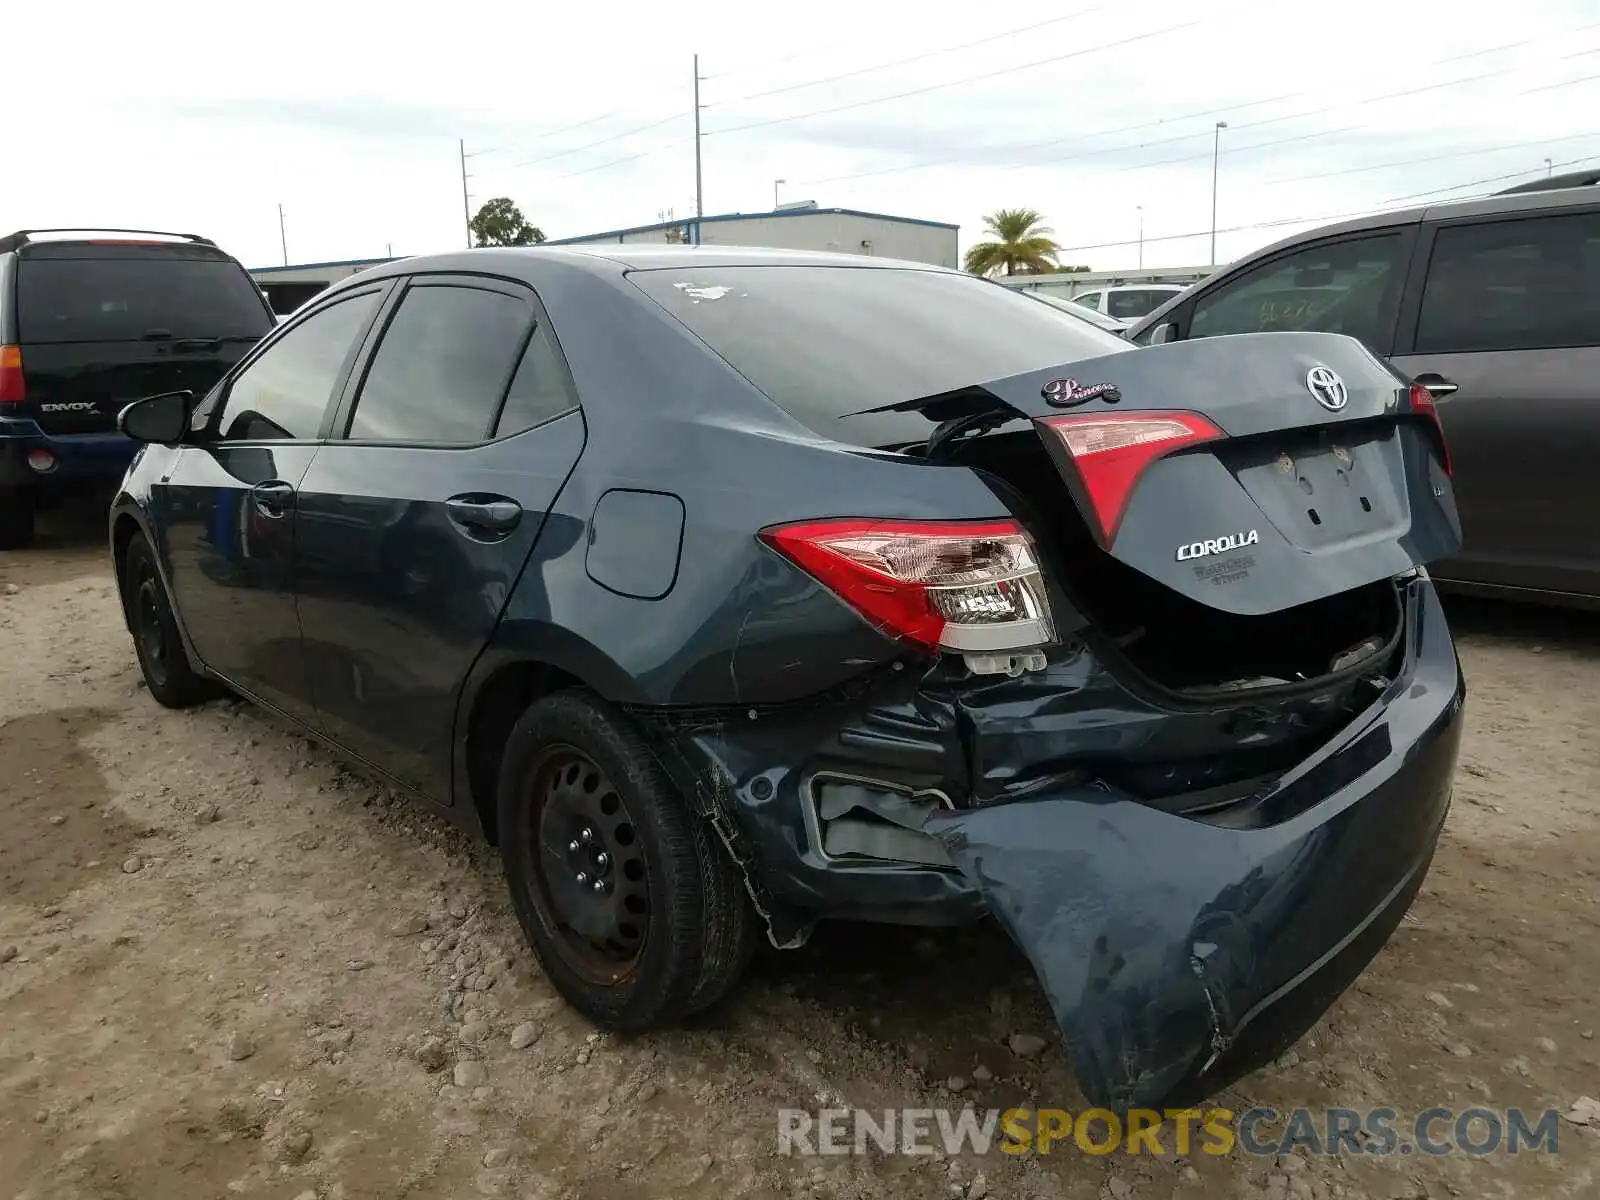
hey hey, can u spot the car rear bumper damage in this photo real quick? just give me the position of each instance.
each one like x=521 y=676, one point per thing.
x=62 y=461
x=1179 y=948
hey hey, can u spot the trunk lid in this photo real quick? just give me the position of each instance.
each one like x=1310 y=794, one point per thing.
x=1297 y=499
x=101 y=324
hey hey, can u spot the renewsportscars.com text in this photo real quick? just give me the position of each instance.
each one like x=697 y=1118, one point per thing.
x=1379 y=1132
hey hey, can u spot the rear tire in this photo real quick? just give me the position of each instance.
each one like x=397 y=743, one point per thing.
x=156 y=641
x=624 y=893
x=17 y=508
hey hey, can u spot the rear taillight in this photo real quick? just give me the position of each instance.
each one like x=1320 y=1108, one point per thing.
x=1111 y=451
x=965 y=586
x=12 y=388
x=1422 y=403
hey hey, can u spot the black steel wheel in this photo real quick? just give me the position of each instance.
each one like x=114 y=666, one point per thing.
x=592 y=885
x=633 y=908
x=156 y=641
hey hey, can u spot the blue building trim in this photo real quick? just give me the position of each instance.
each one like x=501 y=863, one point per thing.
x=694 y=225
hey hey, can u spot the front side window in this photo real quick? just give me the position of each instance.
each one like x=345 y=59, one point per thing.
x=1089 y=300
x=1343 y=287
x=1526 y=284
x=442 y=367
x=285 y=391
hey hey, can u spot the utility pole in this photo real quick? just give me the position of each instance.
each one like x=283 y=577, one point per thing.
x=1216 y=152
x=466 y=208
x=1548 y=167
x=776 y=184
x=1140 y=207
x=699 y=201
x=283 y=238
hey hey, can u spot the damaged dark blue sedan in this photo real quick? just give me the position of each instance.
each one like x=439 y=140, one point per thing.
x=728 y=591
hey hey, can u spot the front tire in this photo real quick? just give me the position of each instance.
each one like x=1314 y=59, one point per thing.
x=156 y=641
x=630 y=904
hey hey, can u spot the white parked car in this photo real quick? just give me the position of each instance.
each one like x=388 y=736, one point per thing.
x=1128 y=301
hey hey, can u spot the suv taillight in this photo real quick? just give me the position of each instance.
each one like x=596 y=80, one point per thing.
x=13 y=390
x=963 y=586
x=1111 y=451
x=1422 y=403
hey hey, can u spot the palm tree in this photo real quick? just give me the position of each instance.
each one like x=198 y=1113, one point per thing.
x=1021 y=241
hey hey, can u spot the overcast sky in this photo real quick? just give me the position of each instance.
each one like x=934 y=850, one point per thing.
x=170 y=115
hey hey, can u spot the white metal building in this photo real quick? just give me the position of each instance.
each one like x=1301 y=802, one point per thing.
x=799 y=227
x=1067 y=284
x=287 y=288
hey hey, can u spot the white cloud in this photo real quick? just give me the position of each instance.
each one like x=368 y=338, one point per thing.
x=172 y=116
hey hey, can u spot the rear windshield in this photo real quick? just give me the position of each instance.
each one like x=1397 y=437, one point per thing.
x=126 y=299
x=824 y=342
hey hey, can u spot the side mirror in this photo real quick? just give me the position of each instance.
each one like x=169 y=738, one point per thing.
x=162 y=419
x=1165 y=332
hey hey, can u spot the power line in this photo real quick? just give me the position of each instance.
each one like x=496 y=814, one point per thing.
x=914 y=58
x=617 y=137
x=1327 y=218
x=1208 y=113
x=937 y=87
x=1411 y=162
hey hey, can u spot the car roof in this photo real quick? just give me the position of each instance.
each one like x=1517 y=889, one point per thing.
x=613 y=259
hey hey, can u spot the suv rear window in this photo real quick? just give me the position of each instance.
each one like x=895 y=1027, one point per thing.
x=124 y=299
x=825 y=342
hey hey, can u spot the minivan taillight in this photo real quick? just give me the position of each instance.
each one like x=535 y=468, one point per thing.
x=1423 y=404
x=13 y=390
x=964 y=586
x=1111 y=451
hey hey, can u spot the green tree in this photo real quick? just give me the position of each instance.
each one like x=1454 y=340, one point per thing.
x=501 y=223
x=1021 y=242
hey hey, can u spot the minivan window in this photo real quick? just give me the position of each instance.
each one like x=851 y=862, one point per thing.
x=827 y=342
x=1525 y=284
x=129 y=299
x=1134 y=303
x=1340 y=287
x=442 y=366
x=284 y=392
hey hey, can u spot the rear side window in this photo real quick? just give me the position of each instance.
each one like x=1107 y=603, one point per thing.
x=538 y=389
x=129 y=299
x=442 y=367
x=825 y=343
x=1135 y=303
x=1344 y=287
x=1527 y=284
x=285 y=391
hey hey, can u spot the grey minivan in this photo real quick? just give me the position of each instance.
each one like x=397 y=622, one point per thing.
x=1493 y=305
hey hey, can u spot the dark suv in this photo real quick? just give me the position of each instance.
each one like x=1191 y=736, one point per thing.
x=90 y=322
x=1491 y=304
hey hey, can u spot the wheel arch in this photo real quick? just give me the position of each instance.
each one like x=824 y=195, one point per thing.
x=526 y=662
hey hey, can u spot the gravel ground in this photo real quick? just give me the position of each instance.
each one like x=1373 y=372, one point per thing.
x=228 y=966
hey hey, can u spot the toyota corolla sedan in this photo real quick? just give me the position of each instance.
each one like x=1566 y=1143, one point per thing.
x=727 y=591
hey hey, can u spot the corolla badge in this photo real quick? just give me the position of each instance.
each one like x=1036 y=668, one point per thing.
x=1066 y=393
x=1228 y=541
x=1326 y=388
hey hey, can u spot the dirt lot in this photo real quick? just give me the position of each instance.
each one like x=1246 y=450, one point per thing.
x=230 y=967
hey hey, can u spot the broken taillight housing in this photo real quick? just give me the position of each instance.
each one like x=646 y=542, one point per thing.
x=1111 y=451
x=1423 y=404
x=964 y=586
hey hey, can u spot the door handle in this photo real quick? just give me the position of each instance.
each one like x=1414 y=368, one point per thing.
x=491 y=514
x=1437 y=385
x=273 y=498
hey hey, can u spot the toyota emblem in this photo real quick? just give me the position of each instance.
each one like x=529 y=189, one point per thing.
x=1326 y=388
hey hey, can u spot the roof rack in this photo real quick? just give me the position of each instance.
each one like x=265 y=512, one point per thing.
x=23 y=236
x=1553 y=182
